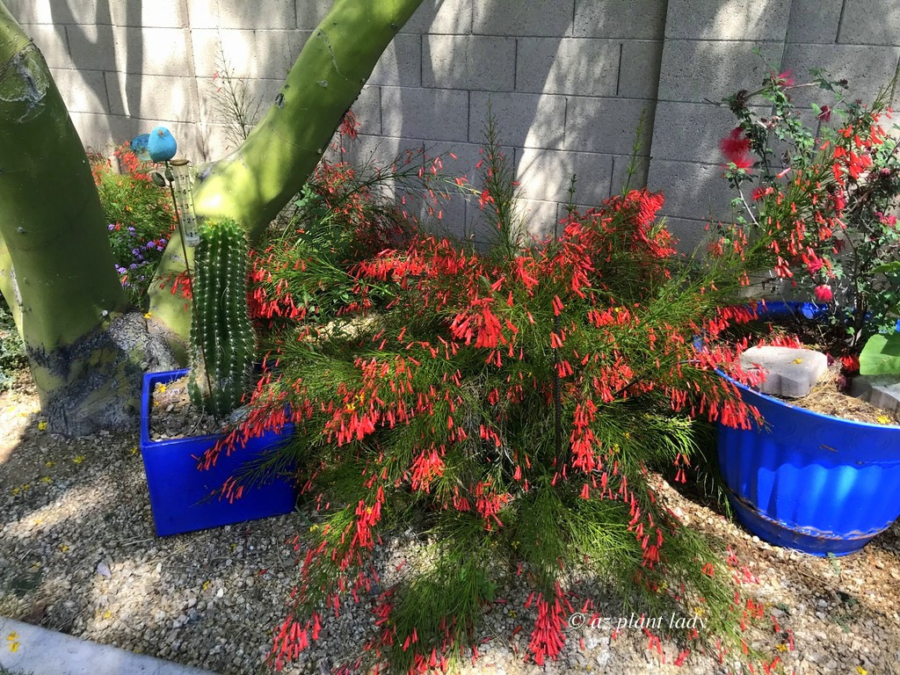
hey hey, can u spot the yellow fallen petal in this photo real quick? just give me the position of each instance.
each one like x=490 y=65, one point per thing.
x=42 y=425
x=883 y=419
x=14 y=647
x=797 y=361
x=12 y=636
x=861 y=670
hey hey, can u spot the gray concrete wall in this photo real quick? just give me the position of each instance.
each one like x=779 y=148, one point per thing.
x=567 y=79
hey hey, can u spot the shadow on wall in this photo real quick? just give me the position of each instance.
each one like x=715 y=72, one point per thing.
x=143 y=66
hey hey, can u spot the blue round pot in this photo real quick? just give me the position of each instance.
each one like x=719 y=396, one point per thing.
x=811 y=482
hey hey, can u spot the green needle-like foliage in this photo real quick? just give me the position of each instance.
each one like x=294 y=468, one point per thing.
x=222 y=341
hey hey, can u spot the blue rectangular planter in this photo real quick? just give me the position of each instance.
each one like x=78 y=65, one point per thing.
x=180 y=493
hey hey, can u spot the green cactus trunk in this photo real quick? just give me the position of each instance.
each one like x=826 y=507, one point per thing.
x=222 y=341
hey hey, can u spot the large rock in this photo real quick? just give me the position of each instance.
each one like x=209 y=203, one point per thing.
x=790 y=373
x=881 y=391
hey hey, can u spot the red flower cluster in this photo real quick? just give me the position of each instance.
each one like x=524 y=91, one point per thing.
x=466 y=342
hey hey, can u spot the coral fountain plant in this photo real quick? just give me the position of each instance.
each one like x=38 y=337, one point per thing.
x=512 y=406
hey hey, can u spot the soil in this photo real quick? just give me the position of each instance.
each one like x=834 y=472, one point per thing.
x=78 y=554
x=827 y=398
x=172 y=414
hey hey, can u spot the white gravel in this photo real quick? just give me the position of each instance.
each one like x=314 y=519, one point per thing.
x=78 y=554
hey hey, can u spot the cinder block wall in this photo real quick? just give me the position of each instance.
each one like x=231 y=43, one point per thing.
x=568 y=80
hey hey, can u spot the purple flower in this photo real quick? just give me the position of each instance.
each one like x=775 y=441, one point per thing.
x=112 y=226
x=135 y=251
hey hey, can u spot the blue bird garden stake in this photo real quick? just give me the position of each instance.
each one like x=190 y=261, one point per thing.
x=160 y=146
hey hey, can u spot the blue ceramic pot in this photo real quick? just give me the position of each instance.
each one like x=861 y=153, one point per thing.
x=818 y=484
x=180 y=494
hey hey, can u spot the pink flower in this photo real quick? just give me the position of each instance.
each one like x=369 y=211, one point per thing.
x=736 y=147
x=785 y=79
x=823 y=293
x=825 y=114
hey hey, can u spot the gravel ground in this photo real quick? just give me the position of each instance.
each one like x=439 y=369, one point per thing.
x=78 y=554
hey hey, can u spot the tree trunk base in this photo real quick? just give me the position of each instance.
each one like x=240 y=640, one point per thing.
x=95 y=383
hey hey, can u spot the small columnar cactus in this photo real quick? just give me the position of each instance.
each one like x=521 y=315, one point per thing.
x=222 y=342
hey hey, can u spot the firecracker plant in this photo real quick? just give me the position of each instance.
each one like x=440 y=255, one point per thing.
x=822 y=188
x=343 y=215
x=223 y=345
x=512 y=406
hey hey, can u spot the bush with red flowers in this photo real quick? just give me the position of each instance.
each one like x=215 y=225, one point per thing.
x=509 y=404
x=823 y=196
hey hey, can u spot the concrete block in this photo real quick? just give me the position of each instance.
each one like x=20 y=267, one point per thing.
x=691 y=234
x=620 y=173
x=52 y=42
x=790 y=373
x=550 y=18
x=730 y=20
x=150 y=51
x=55 y=11
x=691 y=132
x=310 y=13
x=867 y=69
x=92 y=47
x=469 y=62
x=692 y=190
x=524 y=120
x=238 y=47
x=882 y=391
x=216 y=141
x=452 y=17
x=620 y=19
x=216 y=108
x=278 y=50
x=814 y=21
x=430 y=114
x=136 y=96
x=567 y=66
x=242 y=14
x=156 y=14
x=367 y=109
x=546 y=175
x=540 y=219
x=401 y=63
x=82 y=90
x=695 y=71
x=869 y=22
x=378 y=151
x=639 y=69
x=606 y=125
x=465 y=162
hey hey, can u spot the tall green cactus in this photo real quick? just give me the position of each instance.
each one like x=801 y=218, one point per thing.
x=222 y=342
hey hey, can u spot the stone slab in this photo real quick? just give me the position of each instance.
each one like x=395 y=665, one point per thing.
x=790 y=373
x=881 y=391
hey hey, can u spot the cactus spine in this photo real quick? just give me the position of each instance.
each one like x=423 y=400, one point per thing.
x=222 y=341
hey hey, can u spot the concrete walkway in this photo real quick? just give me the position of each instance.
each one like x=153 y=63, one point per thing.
x=33 y=650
